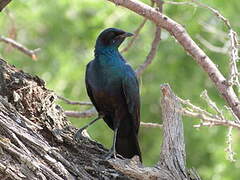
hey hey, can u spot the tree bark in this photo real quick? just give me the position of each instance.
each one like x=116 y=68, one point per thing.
x=4 y=3
x=36 y=139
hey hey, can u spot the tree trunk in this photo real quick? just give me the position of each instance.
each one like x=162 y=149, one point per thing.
x=36 y=139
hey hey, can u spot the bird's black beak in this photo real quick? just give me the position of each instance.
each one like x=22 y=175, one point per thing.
x=126 y=34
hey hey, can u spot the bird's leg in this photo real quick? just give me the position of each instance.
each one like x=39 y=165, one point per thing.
x=112 y=151
x=79 y=132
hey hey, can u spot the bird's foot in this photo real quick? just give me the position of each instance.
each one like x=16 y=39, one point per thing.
x=111 y=153
x=78 y=134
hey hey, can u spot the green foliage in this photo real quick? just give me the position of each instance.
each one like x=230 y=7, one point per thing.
x=66 y=33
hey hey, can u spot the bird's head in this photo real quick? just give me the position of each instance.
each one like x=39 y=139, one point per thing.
x=111 y=38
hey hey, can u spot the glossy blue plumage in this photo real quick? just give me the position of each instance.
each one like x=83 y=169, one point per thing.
x=113 y=89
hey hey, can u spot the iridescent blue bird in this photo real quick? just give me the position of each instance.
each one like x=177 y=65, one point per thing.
x=114 y=91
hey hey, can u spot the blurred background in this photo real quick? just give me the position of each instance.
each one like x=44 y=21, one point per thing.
x=66 y=32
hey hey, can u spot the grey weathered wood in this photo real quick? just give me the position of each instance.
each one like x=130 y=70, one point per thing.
x=172 y=165
x=173 y=154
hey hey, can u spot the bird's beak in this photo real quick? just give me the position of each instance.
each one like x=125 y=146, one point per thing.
x=126 y=34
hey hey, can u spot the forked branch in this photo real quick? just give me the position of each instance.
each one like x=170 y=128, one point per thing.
x=190 y=47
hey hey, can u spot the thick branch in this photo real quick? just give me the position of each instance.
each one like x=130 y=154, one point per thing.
x=4 y=3
x=173 y=154
x=189 y=45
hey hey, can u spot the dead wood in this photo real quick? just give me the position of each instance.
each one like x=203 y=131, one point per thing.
x=36 y=139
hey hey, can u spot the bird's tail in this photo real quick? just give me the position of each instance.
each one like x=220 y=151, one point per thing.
x=128 y=146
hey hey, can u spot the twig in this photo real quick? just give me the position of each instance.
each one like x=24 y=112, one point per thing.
x=212 y=104
x=231 y=111
x=234 y=74
x=136 y=33
x=150 y=125
x=134 y=38
x=178 y=3
x=229 y=149
x=211 y=47
x=207 y=118
x=74 y=102
x=20 y=47
x=154 y=46
x=208 y=121
x=84 y=114
x=221 y=35
x=214 y=11
x=194 y=108
x=92 y=112
x=190 y=47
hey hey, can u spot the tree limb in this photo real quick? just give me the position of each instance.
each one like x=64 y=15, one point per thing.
x=189 y=45
x=4 y=3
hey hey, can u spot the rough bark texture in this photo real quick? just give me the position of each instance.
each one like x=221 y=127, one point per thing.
x=35 y=137
x=36 y=140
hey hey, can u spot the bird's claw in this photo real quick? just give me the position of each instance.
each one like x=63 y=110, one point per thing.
x=111 y=154
x=78 y=135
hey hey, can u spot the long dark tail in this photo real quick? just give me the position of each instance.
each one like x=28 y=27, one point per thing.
x=128 y=146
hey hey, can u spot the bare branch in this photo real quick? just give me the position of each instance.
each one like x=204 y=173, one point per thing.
x=20 y=47
x=212 y=104
x=92 y=112
x=207 y=118
x=179 y=3
x=229 y=149
x=150 y=125
x=4 y=3
x=208 y=121
x=231 y=111
x=222 y=36
x=151 y=54
x=134 y=38
x=154 y=46
x=84 y=114
x=74 y=102
x=193 y=108
x=190 y=46
x=214 y=11
x=211 y=47
x=136 y=33
x=234 y=74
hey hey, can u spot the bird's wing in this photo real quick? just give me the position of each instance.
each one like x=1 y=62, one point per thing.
x=131 y=94
x=88 y=87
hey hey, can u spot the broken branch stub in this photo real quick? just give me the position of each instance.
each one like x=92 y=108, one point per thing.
x=172 y=156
